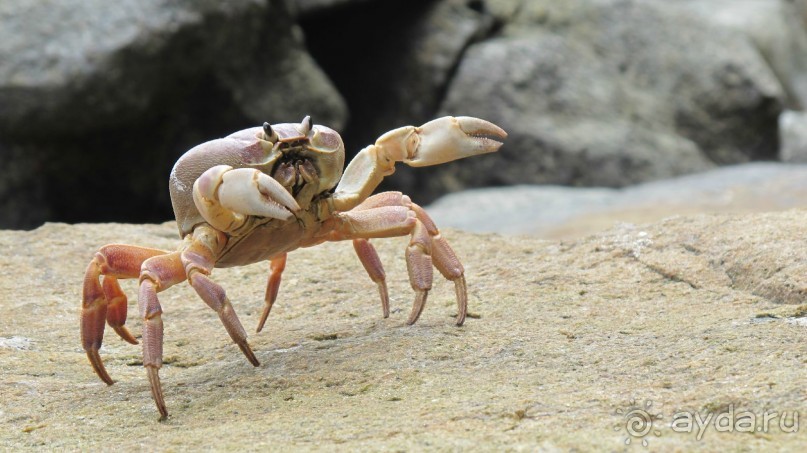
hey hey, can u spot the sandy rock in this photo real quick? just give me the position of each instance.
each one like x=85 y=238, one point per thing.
x=691 y=315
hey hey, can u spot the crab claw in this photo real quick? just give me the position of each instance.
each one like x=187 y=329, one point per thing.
x=224 y=196
x=436 y=142
x=451 y=138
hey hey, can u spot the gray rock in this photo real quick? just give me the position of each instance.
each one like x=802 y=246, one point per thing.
x=553 y=211
x=777 y=30
x=793 y=136
x=611 y=93
x=77 y=65
x=305 y=7
x=98 y=99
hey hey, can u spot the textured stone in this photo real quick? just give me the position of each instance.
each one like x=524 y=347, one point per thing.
x=612 y=93
x=700 y=314
x=776 y=29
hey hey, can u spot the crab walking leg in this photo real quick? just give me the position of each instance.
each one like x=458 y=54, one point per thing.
x=446 y=261
x=157 y=274
x=198 y=260
x=419 y=266
x=107 y=302
x=117 y=308
x=372 y=264
x=379 y=216
x=276 y=267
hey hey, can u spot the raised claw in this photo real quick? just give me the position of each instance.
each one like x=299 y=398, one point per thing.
x=436 y=142
x=450 y=138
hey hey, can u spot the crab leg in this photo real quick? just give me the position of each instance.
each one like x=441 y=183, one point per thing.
x=157 y=274
x=198 y=260
x=372 y=264
x=107 y=302
x=276 y=267
x=393 y=214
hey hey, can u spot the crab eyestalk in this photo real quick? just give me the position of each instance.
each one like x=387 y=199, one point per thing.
x=306 y=125
x=268 y=133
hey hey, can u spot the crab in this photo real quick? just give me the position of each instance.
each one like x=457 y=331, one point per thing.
x=260 y=193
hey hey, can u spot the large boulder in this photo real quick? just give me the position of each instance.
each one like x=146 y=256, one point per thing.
x=610 y=93
x=82 y=65
x=99 y=98
x=793 y=136
x=776 y=28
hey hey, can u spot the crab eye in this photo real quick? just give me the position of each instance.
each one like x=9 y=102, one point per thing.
x=268 y=133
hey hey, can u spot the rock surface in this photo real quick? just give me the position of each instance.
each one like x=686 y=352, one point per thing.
x=698 y=314
x=569 y=212
x=793 y=136
x=101 y=98
x=775 y=28
x=611 y=93
x=98 y=99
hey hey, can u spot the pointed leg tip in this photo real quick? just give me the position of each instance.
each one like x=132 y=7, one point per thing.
x=157 y=391
x=417 y=308
x=264 y=316
x=249 y=354
x=124 y=333
x=98 y=366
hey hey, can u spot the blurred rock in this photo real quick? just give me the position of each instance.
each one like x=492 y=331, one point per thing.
x=81 y=65
x=97 y=100
x=793 y=136
x=776 y=29
x=304 y=7
x=612 y=93
x=393 y=60
x=104 y=96
x=565 y=212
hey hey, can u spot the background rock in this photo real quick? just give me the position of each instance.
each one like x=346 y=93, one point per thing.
x=104 y=97
x=775 y=28
x=793 y=136
x=97 y=101
x=614 y=92
x=700 y=314
x=569 y=212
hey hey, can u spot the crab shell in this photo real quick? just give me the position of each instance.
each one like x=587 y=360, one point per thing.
x=252 y=148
